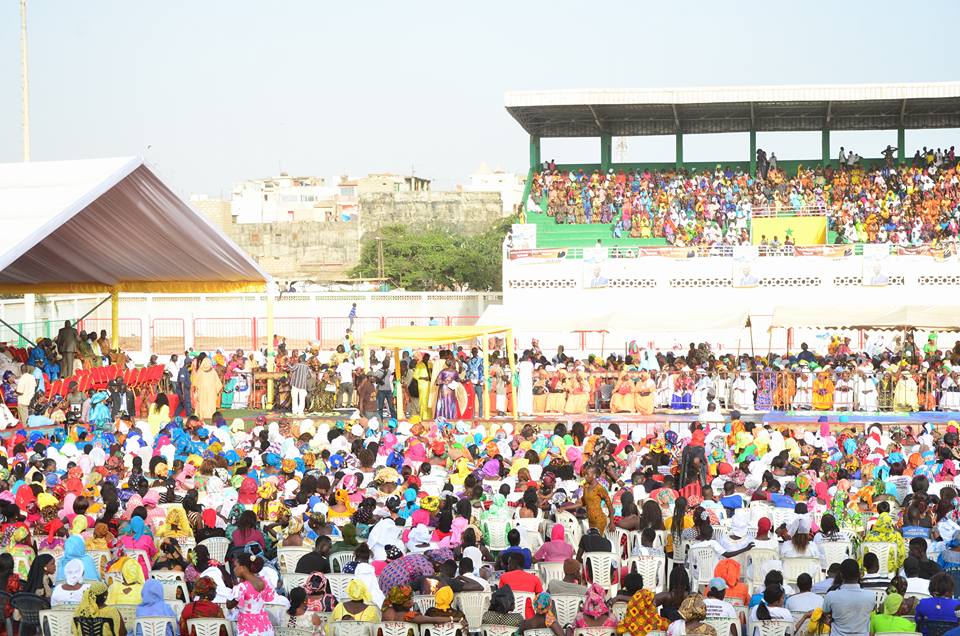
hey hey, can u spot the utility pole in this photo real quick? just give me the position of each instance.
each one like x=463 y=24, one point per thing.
x=25 y=80
x=380 y=257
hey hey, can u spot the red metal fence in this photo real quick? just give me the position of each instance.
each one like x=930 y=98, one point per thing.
x=131 y=331
x=168 y=336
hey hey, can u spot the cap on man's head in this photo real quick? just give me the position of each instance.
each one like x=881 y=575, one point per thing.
x=716 y=583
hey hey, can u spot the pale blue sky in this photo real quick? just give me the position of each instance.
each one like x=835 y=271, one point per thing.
x=223 y=90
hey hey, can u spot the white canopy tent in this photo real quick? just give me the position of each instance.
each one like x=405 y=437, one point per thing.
x=940 y=317
x=111 y=225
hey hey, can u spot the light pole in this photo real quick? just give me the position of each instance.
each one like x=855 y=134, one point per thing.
x=25 y=80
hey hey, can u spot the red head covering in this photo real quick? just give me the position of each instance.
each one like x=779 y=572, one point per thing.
x=247 y=495
x=764 y=525
x=209 y=517
x=697 y=438
x=52 y=526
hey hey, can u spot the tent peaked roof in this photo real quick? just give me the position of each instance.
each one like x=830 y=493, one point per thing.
x=99 y=224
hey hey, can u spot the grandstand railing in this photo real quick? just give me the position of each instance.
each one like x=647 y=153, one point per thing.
x=728 y=251
x=769 y=212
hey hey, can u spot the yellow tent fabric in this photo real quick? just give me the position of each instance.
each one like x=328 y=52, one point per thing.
x=413 y=337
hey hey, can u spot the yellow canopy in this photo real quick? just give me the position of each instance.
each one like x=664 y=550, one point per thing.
x=414 y=337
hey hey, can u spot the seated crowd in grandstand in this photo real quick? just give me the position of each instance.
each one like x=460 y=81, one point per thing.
x=313 y=525
x=908 y=205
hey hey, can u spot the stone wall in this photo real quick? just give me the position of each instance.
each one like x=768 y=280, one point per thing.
x=323 y=251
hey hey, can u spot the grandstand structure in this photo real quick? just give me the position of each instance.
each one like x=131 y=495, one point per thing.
x=605 y=114
x=550 y=266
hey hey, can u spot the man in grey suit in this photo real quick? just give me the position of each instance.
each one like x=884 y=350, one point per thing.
x=67 y=341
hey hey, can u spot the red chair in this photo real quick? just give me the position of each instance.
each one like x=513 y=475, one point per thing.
x=135 y=377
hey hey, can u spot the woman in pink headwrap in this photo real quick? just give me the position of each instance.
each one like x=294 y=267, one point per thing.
x=556 y=550
x=155 y=514
x=575 y=457
x=185 y=479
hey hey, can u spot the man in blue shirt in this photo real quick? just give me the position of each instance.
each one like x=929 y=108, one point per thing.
x=513 y=538
x=777 y=499
x=731 y=499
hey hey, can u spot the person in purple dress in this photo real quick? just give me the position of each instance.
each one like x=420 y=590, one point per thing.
x=447 y=381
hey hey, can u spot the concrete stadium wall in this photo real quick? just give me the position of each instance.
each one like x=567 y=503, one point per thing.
x=324 y=251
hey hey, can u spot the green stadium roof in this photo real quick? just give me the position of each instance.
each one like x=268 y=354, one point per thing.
x=637 y=112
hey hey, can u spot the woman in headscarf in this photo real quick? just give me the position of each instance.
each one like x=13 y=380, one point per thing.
x=641 y=616
x=75 y=549
x=556 y=550
x=128 y=590
x=136 y=536
x=202 y=605
x=70 y=592
x=443 y=606
x=93 y=605
x=176 y=524
x=152 y=605
x=341 y=508
x=543 y=616
x=693 y=613
x=206 y=385
x=358 y=608
x=884 y=531
x=40 y=577
x=889 y=619
x=594 y=611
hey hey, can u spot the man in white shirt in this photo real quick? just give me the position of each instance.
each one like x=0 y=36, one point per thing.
x=716 y=606
x=26 y=387
x=172 y=368
x=804 y=600
x=345 y=372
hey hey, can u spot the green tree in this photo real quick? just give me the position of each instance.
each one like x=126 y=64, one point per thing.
x=435 y=258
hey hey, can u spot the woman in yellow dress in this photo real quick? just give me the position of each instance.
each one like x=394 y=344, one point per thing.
x=578 y=393
x=421 y=373
x=127 y=591
x=622 y=400
x=594 y=497
x=644 y=391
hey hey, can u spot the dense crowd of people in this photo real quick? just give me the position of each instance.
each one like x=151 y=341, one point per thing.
x=295 y=523
x=907 y=205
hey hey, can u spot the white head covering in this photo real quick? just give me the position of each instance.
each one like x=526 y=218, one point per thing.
x=73 y=572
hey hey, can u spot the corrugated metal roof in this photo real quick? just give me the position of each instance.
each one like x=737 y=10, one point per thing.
x=628 y=112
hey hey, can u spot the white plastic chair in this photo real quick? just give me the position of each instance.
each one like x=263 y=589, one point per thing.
x=572 y=526
x=755 y=557
x=497 y=531
x=595 y=631
x=538 y=632
x=100 y=558
x=835 y=551
x=338 y=585
x=795 y=566
x=599 y=564
x=217 y=547
x=473 y=605
x=155 y=625
x=549 y=571
x=883 y=552
x=619 y=610
x=497 y=630
x=623 y=541
x=396 y=628
x=287 y=557
x=782 y=516
x=529 y=528
x=172 y=581
x=295 y=631
x=424 y=602
x=129 y=615
x=351 y=628
x=651 y=568
x=723 y=625
x=880 y=596
x=443 y=629
x=520 y=601
x=338 y=560
x=293 y=580
x=56 y=622
x=772 y=628
x=567 y=606
x=701 y=561
x=208 y=626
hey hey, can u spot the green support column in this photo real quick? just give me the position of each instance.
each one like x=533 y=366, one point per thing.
x=901 y=143
x=825 y=146
x=606 y=152
x=753 y=153
x=535 y=152
x=679 y=150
